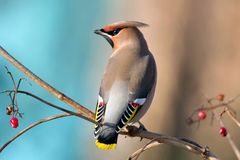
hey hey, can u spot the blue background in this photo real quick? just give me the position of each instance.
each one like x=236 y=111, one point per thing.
x=55 y=40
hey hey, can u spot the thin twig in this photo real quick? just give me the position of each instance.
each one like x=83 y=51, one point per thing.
x=230 y=114
x=19 y=82
x=14 y=97
x=50 y=104
x=11 y=76
x=31 y=126
x=152 y=143
x=234 y=146
x=46 y=86
x=67 y=113
x=211 y=107
x=231 y=142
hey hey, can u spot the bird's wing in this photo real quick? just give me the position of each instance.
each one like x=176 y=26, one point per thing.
x=143 y=77
x=99 y=113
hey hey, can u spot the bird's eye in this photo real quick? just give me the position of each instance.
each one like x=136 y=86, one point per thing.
x=115 y=32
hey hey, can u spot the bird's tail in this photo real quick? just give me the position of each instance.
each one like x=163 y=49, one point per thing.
x=107 y=138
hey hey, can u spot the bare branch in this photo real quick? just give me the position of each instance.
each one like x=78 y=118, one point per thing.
x=231 y=142
x=183 y=143
x=230 y=114
x=152 y=143
x=11 y=76
x=50 y=104
x=67 y=113
x=234 y=146
x=132 y=131
x=46 y=86
x=31 y=126
x=210 y=106
x=14 y=97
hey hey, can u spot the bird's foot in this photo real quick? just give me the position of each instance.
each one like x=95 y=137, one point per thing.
x=133 y=129
x=141 y=126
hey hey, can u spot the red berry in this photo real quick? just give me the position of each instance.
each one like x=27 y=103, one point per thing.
x=202 y=115
x=220 y=97
x=223 y=131
x=14 y=122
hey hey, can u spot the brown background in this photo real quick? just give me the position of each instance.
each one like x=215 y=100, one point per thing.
x=196 y=46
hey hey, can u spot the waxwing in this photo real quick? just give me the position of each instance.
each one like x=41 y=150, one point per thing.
x=128 y=82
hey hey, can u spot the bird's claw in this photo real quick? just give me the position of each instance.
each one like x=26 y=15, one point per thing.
x=141 y=126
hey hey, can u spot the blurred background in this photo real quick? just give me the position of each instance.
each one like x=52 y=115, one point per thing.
x=196 y=46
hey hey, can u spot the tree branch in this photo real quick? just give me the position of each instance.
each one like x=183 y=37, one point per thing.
x=132 y=131
x=46 y=86
x=230 y=114
x=231 y=142
x=149 y=145
x=50 y=104
x=183 y=143
x=31 y=126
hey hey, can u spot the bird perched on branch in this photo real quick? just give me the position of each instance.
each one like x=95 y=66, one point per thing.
x=128 y=82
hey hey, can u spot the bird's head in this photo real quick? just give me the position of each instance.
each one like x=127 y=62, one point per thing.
x=119 y=32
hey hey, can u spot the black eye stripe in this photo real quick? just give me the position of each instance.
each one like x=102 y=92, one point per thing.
x=114 y=32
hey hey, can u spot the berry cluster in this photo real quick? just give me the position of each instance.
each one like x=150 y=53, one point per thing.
x=13 y=108
x=222 y=130
x=202 y=114
x=14 y=120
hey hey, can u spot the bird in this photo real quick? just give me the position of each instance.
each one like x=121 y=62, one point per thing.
x=128 y=82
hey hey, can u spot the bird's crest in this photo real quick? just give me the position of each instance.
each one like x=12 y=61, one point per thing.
x=124 y=24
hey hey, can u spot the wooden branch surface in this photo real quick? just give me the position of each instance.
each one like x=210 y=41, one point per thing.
x=183 y=143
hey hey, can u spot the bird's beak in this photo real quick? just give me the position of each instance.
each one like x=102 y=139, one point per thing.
x=105 y=35
x=98 y=31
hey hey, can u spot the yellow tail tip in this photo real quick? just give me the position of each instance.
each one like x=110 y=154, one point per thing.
x=105 y=146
